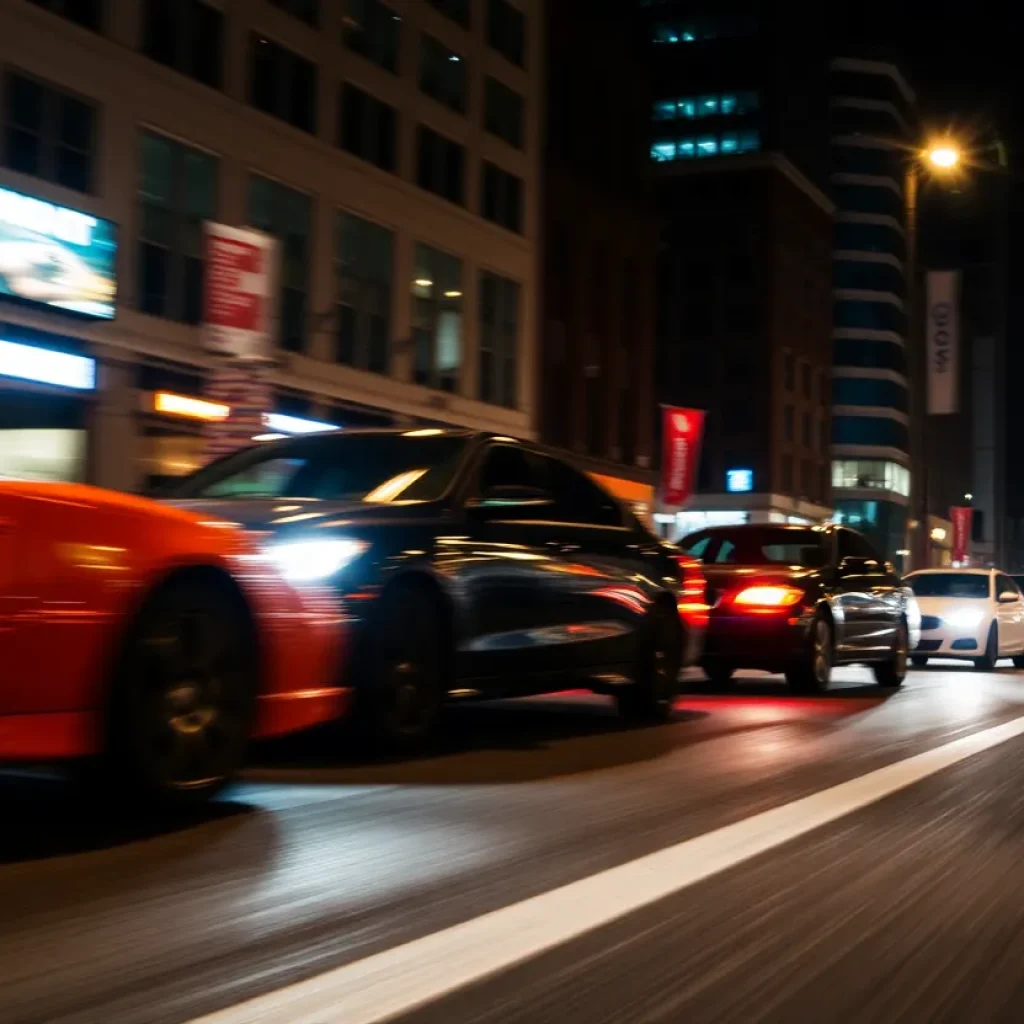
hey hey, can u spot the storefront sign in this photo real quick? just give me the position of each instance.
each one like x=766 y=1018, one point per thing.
x=241 y=291
x=682 y=430
x=943 y=342
x=56 y=256
x=738 y=481
x=47 y=366
x=961 y=516
x=169 y=404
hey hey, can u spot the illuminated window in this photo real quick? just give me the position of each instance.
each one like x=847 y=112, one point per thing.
x=437 y=318
x=688 y=107
x=871 y=474
x=708 y=106
x=663 y=150
x=707 y=145
x=665 y=110
x=729 y=143
x=749 y=141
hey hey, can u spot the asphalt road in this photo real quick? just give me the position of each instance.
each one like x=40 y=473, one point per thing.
x=909 y=909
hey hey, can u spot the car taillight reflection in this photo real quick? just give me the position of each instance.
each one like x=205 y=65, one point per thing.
x=767 y=598
x=692 y=602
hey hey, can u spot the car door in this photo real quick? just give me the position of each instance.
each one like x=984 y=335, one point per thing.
x=1009 y=613
x=867 y=594
x=8 y=594
x=507 y=569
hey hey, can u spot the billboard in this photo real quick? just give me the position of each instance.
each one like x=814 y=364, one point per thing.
x=943 y=342
x=682 y=430
x=56 y=256
x=241 y=292
x=961 y=516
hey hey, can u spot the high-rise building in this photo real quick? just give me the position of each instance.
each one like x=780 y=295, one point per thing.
x=393 y=149
x=873 y=127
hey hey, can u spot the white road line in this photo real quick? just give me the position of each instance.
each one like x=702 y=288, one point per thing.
x=401 y=979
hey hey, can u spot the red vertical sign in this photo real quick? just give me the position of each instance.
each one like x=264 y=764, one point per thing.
x=961 y=515
x=682 y=430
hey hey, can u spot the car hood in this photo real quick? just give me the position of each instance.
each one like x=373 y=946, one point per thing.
x=280 y=515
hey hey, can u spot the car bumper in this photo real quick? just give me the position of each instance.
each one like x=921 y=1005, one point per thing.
x=951 y=643
x=770 y=642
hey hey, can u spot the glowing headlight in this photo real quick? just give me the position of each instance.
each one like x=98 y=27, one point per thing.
x=314 y=559
x=964 y=618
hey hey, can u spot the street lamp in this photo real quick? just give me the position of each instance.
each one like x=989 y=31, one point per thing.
x=943 y=156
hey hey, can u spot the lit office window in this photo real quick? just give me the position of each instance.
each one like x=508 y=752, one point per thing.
x=727 y=143
x=687 y=108
x=871 y=474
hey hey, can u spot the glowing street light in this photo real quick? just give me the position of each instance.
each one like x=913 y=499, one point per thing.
x=944 y=156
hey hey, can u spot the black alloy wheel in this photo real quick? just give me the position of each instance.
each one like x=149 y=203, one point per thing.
x=813 y=673
x=891 y=672
x=184 y=697
x=406 y=685
x=987 y=662
x=649 y=698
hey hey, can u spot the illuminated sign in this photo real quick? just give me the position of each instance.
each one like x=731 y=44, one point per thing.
x=45 y=366
x=739 y=480
x=55 y=256
x=281 y=424
x=192 y=408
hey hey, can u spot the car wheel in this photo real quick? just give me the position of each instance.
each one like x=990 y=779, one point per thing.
x=813 y=672
x=183 y=698
x=719 y=676
x=890 y=673
x=655 y=683
x=405 y=686
x=987 y=662
x=918 y=661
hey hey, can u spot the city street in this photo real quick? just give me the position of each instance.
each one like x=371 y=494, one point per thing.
x=908 y=908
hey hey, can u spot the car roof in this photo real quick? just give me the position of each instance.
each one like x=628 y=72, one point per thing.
x=821 y=528
x=961 y=571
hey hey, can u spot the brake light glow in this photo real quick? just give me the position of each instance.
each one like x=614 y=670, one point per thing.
x=692 y=602
x=767 y=597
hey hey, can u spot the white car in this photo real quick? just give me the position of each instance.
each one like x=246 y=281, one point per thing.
x=974 y=614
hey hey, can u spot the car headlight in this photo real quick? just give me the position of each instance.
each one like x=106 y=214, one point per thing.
x=964 y=618
x=314 y=559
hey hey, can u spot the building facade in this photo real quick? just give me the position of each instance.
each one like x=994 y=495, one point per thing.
x=873 y=127
x=600 y=242
x=391 y=147
x=739 y=148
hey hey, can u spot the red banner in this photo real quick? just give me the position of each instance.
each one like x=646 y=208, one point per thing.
x=961 y=515
x=682 y=430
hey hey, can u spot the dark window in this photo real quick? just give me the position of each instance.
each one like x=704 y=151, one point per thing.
x=870 y=431
x=878 y=161
x=880 y=238
x=177 y=193
x=868 y=275
x=502 y=200
x=868 y=199
x=443 y=73
x=806 y=433
x=788 y=371
x=187 y=35
x=288 y=215
x=506 y=30
x=853 y=545
x=49 y=133
x=372 y=30
x=364 y=265
x=334 y=466
x=281 y=83
x=440 y=165
x=499 y=339
x=861 y=391
x=875 y=316
x=369 y=128
x=787 y=423
x=868 y=85
x=305 y=10
x=878 y=355
x=787 y=474
x=503 y=112
x=457 y=10
x=858 y=121
x=806 y=374
x=87 y=13
x=437 y=331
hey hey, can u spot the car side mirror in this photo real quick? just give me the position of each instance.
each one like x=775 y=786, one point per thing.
x=1008 y=597
x=510 y=500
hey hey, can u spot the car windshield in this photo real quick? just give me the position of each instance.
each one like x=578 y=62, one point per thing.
x=950 y=584
x=377 y=468
x=809 y=549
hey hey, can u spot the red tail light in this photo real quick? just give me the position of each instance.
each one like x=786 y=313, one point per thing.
x=767 y=597
x=692 y=602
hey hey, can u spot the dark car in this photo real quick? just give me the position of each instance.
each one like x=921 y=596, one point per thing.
x=470 y=565
x=799 y=600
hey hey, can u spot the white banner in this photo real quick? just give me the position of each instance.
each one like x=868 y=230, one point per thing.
x=942 y=341
x=241 y=292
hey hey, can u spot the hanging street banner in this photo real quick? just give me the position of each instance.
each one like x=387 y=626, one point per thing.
x=961 y=517
x=942 y=341
x=682 y=431
x=240 y=305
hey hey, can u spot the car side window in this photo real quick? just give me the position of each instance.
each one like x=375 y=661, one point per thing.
x=577 y=498
x=507 y=465
x=698 y=550
x=1004 y=583
x=853 y=545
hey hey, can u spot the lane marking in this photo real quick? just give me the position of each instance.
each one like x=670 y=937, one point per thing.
x=404 y=978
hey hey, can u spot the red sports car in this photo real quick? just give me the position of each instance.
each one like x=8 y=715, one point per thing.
x=157 y=639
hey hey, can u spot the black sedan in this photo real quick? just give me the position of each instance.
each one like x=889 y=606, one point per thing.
x=799 y=600
x=470 y=566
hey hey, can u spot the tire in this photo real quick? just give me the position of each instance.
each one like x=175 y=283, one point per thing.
x=987 y=662
x=813 y=672
x=719 y=676
x=918 y=660
x=889 y=674
x=655 y=683
x=405 y=684
x=183 y=698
